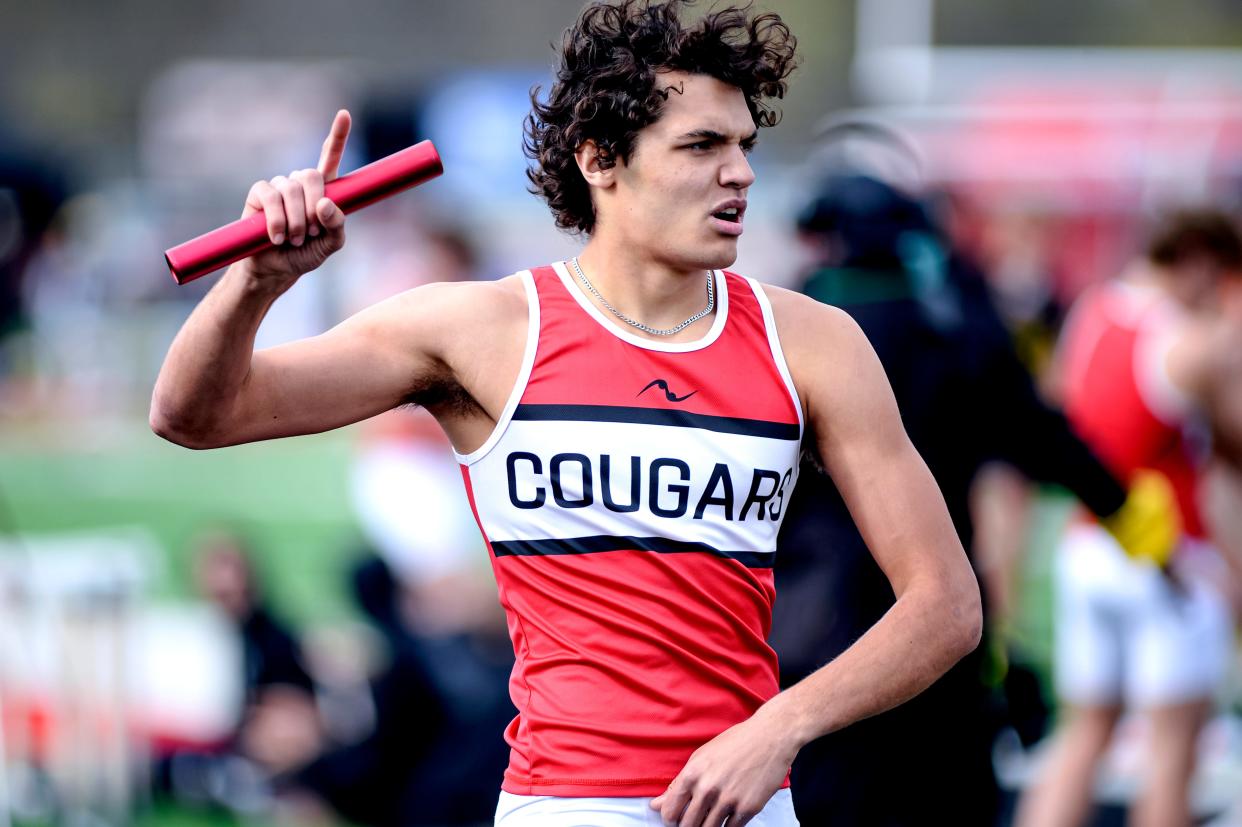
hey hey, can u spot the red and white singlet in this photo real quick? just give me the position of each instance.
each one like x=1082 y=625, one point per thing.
x=1118 y=396
x=1124 y=634
x=630 y=496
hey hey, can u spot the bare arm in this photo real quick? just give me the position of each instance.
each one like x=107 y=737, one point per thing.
x=902 y=516
x=1204 y=362
x=214 y=390
x=1219 y=392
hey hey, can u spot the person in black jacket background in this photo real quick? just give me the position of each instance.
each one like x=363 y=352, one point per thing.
x=965 y=399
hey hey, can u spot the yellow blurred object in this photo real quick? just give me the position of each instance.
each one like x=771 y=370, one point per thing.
x=1149 y=523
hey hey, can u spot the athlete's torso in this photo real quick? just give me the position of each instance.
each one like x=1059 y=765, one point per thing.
x=1118 y=395
x=631 y=495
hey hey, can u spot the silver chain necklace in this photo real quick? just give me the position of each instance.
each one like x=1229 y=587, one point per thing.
x=711 y=305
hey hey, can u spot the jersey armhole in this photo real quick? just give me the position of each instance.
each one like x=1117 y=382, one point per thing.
x=519 y=386
x=778 y=354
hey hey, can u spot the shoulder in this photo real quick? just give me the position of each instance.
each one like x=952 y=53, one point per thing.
x=810 y=327
x=830 y=358
x=443 y=321
x=453 y=306
x=480 y=300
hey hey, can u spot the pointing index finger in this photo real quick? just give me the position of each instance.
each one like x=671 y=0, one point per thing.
x=334 y=146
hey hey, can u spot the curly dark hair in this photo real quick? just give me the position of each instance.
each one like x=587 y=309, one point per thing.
x=1190 y=233
x=605 y=89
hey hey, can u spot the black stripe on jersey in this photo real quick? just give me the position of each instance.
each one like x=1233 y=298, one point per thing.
x=604 y=542
x=657 y=416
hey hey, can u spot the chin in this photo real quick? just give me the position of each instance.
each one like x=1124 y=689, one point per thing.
x=713 y=255
x=704 y=253
x=725 y=258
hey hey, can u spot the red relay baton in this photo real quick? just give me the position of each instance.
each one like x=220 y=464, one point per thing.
x=361 y=188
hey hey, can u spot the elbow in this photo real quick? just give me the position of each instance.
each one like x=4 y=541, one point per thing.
x=967 y=620
x=168 y=425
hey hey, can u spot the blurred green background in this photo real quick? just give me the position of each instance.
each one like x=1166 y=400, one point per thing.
x=289 y=497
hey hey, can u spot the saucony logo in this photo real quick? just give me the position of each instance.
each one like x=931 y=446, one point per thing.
x=668 y=394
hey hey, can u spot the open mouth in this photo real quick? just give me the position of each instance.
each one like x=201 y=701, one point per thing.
x=731 y=214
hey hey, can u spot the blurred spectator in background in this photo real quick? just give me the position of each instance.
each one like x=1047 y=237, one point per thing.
x=279 y=729
x=429 y=748
x=1020 y=243
x=405 y=485
x=31 y=192
x=405 y=491
x=435 y=751
x=1145 y=355
x=965 y=399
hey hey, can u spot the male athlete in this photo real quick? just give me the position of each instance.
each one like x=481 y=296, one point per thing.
x=1144 y=355
x=628 y=425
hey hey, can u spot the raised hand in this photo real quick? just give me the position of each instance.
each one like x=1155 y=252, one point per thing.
x=305 y=226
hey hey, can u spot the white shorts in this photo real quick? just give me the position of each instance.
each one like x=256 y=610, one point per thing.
x=557 y=811
x=1123 y=633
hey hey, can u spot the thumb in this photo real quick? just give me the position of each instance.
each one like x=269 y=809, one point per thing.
x=658 y=801
x=329 y=214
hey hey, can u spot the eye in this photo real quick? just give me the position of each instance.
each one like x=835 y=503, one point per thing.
x=700 y=146
x=748 y=147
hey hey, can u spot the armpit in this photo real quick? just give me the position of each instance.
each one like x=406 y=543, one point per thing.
x=442 y=394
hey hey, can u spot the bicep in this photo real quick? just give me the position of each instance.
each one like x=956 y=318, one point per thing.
x=364 y=366
x=887 y=486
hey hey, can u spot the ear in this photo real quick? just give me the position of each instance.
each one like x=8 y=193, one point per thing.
x=588 y=157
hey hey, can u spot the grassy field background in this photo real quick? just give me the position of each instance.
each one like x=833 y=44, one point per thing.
x=288 y=497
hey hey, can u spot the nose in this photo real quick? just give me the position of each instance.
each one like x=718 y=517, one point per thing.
x=736 y=172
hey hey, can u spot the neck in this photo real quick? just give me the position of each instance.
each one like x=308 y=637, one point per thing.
x=653 y=292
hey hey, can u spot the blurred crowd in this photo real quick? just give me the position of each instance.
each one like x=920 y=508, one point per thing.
x=963 y=279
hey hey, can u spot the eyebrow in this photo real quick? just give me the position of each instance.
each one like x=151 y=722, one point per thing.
x=718 y=137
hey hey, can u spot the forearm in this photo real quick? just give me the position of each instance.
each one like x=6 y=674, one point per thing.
x=1038 y=441
x=205 y=371
x=1068 y=462
x=926 y=631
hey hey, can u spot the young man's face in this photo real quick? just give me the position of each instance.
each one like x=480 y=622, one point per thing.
x=681 y=196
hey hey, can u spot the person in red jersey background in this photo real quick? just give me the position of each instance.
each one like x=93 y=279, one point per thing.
x=628 y=425
x=1145 y=357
